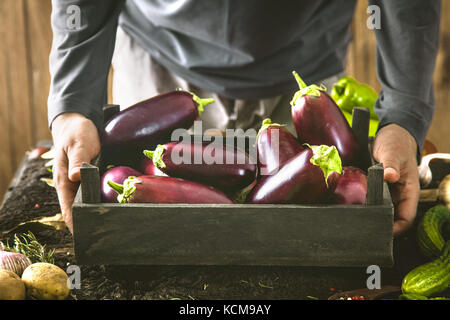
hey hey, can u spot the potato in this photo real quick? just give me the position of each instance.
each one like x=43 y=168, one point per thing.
x=45 y=281
x=11 y=286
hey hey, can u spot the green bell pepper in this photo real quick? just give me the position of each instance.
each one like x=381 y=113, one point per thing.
x=348 y=93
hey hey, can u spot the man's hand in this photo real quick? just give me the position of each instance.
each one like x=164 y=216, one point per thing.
x=397 y=150
x=75 y=140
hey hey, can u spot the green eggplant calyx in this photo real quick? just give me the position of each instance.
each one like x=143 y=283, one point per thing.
x=129 y=186
x=126 y=190
x=326 y=158
x=267 y=123
x=201 y=103
x=115 y=186
x=311 y=90
x=156 y=156
x=301 y=83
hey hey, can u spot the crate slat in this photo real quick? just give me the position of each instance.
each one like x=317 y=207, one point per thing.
x=290 y=235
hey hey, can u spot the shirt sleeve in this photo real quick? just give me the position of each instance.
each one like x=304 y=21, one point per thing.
x=407 y=45
x=84 y=34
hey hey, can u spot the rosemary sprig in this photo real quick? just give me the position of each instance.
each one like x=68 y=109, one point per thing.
x=28 y=245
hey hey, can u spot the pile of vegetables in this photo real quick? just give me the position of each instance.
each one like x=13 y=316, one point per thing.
x=432 y=278
x=319 y=165
x=27 y=270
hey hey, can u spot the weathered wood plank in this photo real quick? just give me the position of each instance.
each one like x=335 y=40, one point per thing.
x=375 y=185
x=6 y=160
x=39 y=40
x=15 y=110
x=360 y=126
x=90 y=183
x=157 y=234
x=18 y=79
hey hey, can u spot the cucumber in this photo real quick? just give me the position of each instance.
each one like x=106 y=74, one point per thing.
x=430 y=231
x=430 y=278
x=412 y=296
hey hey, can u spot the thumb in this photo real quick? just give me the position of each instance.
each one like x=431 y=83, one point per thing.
x=391 y=166
x=76 y=157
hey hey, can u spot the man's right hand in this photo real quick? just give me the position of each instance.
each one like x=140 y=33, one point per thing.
x=75 y=140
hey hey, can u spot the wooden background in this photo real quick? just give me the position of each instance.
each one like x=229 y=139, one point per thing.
x=24 y=77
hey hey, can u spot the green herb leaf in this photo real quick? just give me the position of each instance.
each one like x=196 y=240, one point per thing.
x=28 y=245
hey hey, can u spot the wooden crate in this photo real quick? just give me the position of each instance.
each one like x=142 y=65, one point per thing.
x=236 y=234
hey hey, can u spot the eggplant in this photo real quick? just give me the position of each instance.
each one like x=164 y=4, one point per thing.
x=117 y=175
x=275 y=146
x=351 y=187
x=319 y=121
x=309 y=177
x=157 y=189
x=147 y=167
x=224 y=167
x=152 y=121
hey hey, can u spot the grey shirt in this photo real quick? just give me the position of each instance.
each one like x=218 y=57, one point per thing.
x=246 y=49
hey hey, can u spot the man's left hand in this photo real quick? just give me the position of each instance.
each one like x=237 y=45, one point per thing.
x=396 y=149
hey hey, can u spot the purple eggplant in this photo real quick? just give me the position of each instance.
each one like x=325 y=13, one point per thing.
x=156 y=189
x=117 y=175
x=275 y=146
x=309 y=177
x=151 y=122
x=223 y=167
x=148 y=168
x=351 y=187
x=318 y=120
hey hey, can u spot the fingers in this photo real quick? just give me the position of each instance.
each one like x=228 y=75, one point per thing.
x=391 y=169
x=75 y=140
x=65 y=188
x=401 y=226
x=405 y=196
x=76 y=156
x=387 y=155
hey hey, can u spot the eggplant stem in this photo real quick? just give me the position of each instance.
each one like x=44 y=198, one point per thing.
x=301 y=83
x=156 y=156
x=115 y=186
x=311 y=90
x=268 y=123
x=129 y=186
x=201 y=103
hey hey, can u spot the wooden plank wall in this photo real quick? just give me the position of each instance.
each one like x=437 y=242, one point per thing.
x=24 y=78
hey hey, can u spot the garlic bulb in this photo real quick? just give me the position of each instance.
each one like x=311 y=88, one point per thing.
x=13 y=261
x=444 y=190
